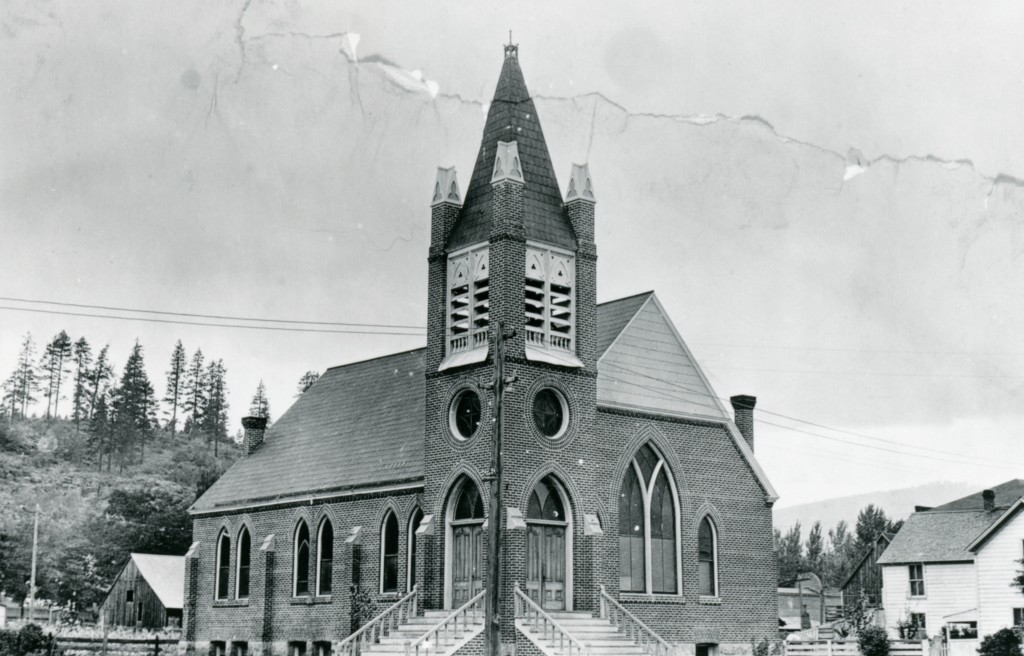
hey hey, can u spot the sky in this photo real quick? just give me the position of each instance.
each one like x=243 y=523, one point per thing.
x=826 y=197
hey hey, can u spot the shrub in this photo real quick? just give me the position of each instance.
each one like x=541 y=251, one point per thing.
x=1004 y=642
x=31 y=638
x=873 y=641
x=766 y=647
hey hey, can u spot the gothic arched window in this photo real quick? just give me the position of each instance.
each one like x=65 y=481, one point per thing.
x=301 y=564
x=389 y=554
x=324 y=558
x=244 y=555
x=648 y=527
x=223 y=566
x=707 y=558
x=414 y=523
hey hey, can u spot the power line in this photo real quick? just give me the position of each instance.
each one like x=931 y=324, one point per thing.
x=209 y=316
x=853 y=350
x=205 y=324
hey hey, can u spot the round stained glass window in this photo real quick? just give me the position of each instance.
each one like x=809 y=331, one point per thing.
x=550 y=413
x=464 y=417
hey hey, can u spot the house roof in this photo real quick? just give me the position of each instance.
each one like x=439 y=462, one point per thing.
x=165 y=575
x=1006 y=494
x=936 y=536
x=997 y=525
x=614 y=316
x=882 y=537
x=512 y=116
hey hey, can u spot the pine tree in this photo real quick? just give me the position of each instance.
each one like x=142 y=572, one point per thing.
x=307 y=381
x=134 y=406
x=176 y=375
x=872 y=522
x=54 y=365
x=24 y=382
x=215 y=418
x=99 y=427
x=10 y=400
x=195 y=393
x=100 y=376
x=82 y=354
x=260 y=405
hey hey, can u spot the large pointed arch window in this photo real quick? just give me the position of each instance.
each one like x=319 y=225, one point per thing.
x=389 y=554
x=223 y=566
x=301 y=563
x=243 y=560
x=707 y=558
x=324 y=558
x=648 y=526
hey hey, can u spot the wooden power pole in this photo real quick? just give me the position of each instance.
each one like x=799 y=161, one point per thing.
x=492 y=614
x=32 y=580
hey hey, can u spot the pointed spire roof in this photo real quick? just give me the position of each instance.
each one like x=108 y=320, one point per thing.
x=513 y=117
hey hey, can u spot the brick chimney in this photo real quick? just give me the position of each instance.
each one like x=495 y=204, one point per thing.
x=255 y=428
x=743 y=413
x=988 y=497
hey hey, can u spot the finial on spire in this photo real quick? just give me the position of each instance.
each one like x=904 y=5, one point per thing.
x=506 y=163
x=446 y=187
x=512 y=49
x=580 y=186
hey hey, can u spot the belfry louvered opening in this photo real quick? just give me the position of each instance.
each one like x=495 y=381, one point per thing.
x=468 y=299
x=549 y=299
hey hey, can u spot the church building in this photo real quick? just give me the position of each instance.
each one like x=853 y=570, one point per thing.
x=636 y=518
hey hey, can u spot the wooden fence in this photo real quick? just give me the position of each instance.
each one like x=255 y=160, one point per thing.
x=850 y=648
x=155 y=646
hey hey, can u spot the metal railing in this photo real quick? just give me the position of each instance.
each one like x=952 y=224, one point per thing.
x=538 y=621
x=632 y=627
x=446 y=632
x=380 y=626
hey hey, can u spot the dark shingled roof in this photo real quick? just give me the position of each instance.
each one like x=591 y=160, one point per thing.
x=359 y=424
x=513 y=117
x=1006 y=494
x=935 y=536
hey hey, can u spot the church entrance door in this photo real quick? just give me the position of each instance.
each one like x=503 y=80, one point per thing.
x=547 y=552
x=465 y=564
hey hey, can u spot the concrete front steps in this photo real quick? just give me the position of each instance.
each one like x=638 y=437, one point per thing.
x=394 y=642
x=598 y=634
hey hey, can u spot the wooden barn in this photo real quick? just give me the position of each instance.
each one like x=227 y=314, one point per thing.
x=147 y=593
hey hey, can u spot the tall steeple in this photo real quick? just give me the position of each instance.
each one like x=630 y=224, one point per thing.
x=512 y=117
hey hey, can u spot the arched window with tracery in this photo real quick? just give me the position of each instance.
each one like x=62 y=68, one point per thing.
x=707 y=558
x=324 y=558
x=223 y=565
x=301 y=563
x=244 y=555
x=648 y=526
x=389 y=554
x=414 y=523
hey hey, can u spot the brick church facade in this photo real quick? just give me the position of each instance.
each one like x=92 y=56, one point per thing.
x=623 y=471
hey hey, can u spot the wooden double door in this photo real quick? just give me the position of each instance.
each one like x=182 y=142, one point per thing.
x=467 y=562
x=545 y=564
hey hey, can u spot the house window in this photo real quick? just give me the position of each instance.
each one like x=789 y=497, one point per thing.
x=244 y=555
x=239 y=649
x=962 y=630
x=468 y=299
x=223 y=566
x=297 y=648
x=322 y=648
x=1018 y=617
x=916 y=580
x=707 y=558
x=301 y=564
x=917 y=621
x=648 y=523
x=389 y=554
x=414 y=523
x=325 y=558
x=549 y=301
x=218 y=648
x=129 y=596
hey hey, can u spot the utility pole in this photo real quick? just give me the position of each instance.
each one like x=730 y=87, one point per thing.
x=492 y=616
x=32 y=580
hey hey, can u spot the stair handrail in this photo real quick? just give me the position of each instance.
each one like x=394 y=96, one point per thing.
x=630 y=624
x=381 y=625
x=524 y=606
x=440 y=630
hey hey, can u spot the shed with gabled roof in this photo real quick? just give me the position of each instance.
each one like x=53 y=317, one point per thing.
x=147 y=593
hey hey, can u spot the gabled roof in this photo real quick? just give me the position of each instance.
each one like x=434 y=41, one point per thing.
x=998 y=524
x=1006 y=494
x=936 y=536
x=883 y=538
x=165 y=575
x=362 y=425
x=359 y=424
x=512 y=116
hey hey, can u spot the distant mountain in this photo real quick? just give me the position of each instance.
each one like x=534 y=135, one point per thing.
x=898 y=504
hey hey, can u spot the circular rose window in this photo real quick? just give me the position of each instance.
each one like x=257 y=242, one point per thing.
x=550 y=413
x=464 y=416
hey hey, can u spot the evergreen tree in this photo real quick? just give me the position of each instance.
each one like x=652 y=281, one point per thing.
x=790 y=550
x=99 y=427
x=307 y=381
x=54 y=365
x=10 y=399
x=195 y=393
x=82 y=354
x=23 y=384
x=815 y=551
x=215 y=418
x=100 y=376
x=260 y=406
x=872 y=522
x=176 y=375
x=134 y=406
